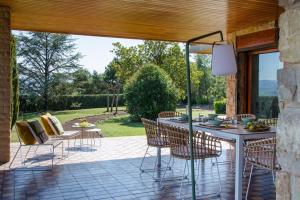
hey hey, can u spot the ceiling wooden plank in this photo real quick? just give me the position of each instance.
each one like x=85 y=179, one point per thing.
x=171 y=20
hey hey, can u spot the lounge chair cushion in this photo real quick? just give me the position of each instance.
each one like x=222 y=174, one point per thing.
x=24 y=133
x=56 y=124
x=45 y=122
x=38 y=132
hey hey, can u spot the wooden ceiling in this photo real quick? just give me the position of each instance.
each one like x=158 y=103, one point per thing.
x=172 y=20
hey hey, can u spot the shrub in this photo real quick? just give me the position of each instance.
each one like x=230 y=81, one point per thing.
x=29 y=103
x=150 y=91
x=220 y=106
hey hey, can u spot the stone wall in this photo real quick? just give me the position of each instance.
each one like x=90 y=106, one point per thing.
x=288 y=135
x=4 y=84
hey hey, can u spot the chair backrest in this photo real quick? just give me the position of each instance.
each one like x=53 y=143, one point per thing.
x=269 y=122
x=47 y=125
x=25 y=133
x=166 y=114
x=262 y=153
x=155 y=137
x=240 y=116
x=205 y=146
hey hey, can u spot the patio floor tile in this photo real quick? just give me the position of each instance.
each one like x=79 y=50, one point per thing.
x=111 y=171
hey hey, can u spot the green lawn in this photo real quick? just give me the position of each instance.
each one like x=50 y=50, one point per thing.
x=117 y=126
x=121 y=126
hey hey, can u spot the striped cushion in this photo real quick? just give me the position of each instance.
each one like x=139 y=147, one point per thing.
x=56 y=124
x=38 y=132
x=45 y=121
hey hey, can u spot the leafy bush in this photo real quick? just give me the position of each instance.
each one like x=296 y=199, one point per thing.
x=29 y=103
x=150 y=91
x=202 y=101
x=220 y=106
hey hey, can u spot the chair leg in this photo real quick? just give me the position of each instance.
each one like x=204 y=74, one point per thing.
x=141 y=166
x=14 y=156
x=249 y=182
x=52 y=156
x=219 y=177
x=26 y=155
x=273 y=177
x=183 y=177
x=245 y=167
x=165 y=171
x=62 y=149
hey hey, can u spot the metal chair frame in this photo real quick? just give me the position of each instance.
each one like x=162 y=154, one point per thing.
x=53 y=145
x=69 y=135
x=261 y=154
x=155 y=138
x=167 y=114
x=205 y=146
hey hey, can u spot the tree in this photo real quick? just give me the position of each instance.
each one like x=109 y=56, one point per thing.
x=166 y=55
x=14 y=83
x=149 y=92
x=113 y=86
x=203 y=64
x=42 y=55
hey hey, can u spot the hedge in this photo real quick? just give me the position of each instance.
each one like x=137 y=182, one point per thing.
x=220 y=107
x=66 y=102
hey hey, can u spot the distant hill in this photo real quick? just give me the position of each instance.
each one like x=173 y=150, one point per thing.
x=268 y=88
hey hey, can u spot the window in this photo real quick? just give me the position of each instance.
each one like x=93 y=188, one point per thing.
x=264 y=100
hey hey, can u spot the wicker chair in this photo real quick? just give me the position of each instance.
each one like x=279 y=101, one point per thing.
x=261 y=154
x=232 y=142
x=240 y=116
x=167 y=114
x=205 y=146
x=155 y=138
x=269 y=122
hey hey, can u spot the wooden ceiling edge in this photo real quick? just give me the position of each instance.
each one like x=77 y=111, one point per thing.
x=106 y=35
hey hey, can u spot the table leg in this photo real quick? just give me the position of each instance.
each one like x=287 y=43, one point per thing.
x=239 y=169
x=158 y=158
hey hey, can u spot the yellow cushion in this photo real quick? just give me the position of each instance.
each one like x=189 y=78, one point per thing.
x=45 y=122
x=25 y=133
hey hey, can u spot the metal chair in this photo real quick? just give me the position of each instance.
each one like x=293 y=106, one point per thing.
x=155 y=138
x=205 y=146
x=262 y=154
x=51 y=142
x=240 y=116
x=66 y=136
x=232 y=142
x=268 y=122
x=167 y=114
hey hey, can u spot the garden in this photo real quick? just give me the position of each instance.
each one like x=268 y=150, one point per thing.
x=139 y=82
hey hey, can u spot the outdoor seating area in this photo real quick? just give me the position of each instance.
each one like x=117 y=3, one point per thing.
x=143 y=100
x=112 y=167
x=139 y=172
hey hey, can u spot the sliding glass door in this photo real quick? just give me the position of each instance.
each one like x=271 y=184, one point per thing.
x=263 y=84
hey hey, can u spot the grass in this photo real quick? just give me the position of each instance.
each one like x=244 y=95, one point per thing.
x=115 y=127
x=121 y=126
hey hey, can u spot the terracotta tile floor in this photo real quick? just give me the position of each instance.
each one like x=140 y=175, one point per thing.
x=111 y=171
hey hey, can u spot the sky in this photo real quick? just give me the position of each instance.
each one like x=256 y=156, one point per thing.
x=268 y=65
x=97 y=50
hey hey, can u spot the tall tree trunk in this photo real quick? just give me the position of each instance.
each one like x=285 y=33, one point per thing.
x=112 y=103
x=107 y=103
x=117 y=101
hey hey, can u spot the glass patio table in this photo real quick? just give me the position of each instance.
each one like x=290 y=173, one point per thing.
x=239 y=134
x=83 y=132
